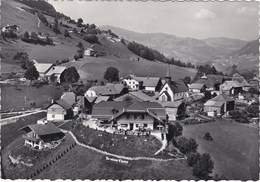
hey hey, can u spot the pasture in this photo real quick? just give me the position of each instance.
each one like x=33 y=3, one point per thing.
x=234 y=149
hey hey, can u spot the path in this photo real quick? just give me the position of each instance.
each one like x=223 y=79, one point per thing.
x=9 y=120
x=120 y=156
x=39 y=22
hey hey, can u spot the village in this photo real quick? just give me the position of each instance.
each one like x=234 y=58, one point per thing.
x=81 y=102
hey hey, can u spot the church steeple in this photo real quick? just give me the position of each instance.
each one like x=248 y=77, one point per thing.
x=168 y=75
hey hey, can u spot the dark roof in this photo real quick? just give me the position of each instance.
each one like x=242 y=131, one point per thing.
x=148 y=81
x=42 y=129
x=178 y=86
x=196 y=85
x=61 y=103
x=113 y=109
x=222 y=97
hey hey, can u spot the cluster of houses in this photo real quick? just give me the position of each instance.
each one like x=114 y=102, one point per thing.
x=49 y=72
x=141 y=103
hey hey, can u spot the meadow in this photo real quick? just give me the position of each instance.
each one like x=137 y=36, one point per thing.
x=234 y=149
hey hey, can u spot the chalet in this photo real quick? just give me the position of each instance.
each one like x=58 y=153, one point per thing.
x=89 y=52
x=240 y=79
x=230 y=87
x=131 y=115
x=174 y=110
x=131 y=83
x=220 y=105
x=59 y=111
x=40 y=136
x=197 y=88
x=110 y=89
x=211 y=82
x=8 y=28
x=55 y=72
x=173 y=90
x=151 y=84
x=43 y=69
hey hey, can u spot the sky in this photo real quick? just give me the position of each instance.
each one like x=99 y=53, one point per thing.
x=199 y=20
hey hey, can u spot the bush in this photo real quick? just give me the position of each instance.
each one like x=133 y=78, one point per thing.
x=91 y=38
x=187 y=145
x=192 y=158
x=207 y=136
x=203 y=167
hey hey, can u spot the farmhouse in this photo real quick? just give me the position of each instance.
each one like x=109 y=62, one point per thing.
x=151 y=84
x=240 y=79
x=55 y=73
x=230 y=87
x=211 y=82
x=39 y=136
x=59 y=111
x=89 y=52
x=110 y=89
x=197 y=88
x=220 y=105
x=131 y=83
x=43 y=69
x=174 y=110
x=133 y=115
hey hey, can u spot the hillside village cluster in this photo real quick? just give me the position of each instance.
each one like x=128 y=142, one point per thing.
x=139 y=105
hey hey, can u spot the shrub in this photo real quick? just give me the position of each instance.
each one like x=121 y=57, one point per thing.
x=207 y=136
x=187 y=145
x=203 y=167
x=91 y=38
x=192 y=158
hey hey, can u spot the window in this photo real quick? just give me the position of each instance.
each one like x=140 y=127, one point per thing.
x=124 y=125
x=53 y=109
x=142 y=116
x=129 y=82
x=137 y=125
x=145 y=125
x=53 y=116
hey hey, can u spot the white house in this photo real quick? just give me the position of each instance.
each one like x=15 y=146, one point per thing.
x=59 y=111
x=55 y=71
x=43 y=69
x=89 y=52
x=131 y=83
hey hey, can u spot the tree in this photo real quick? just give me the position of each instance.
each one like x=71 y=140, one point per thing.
x=91 y=38
x=207 y=136
x=174 y=130
x=111 y=74
x=187 y=145
x=80 y=45
x=66 y=33
x=192 y=158
x=187 y=80
x=79 y=22
x=53 y=78
x=203 y=167
x=31 y=73
x=34 y=37
x=70 y=75
x=25 y=36
x=214 y=95
x=55 y=28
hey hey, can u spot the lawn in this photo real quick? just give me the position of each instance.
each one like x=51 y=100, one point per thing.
x=82 y=163
x=9 y=132
x=131 y=146
x=38 y=158
x=234 y=149
x=12 y=98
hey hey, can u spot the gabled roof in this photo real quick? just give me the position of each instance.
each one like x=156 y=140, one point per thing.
x=170 y=104
x=91 y=99
x=222 y=97
x=178 y=86
x=108 y=89
x=61 y=103
x=56 y=70
x=43 y=68
x=42 y=129
x=147 y=81
x=197 y=85
x=101 y=98
x=69 y=97
x=237 y=75
x=227 y=85
x=213 y=103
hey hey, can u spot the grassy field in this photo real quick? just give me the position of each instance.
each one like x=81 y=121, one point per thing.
x=12 y=98
x=38 y=158
x=82 y=163
x=10 y=132
x=94 y=68
x=132 y=146
x=234 y=150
